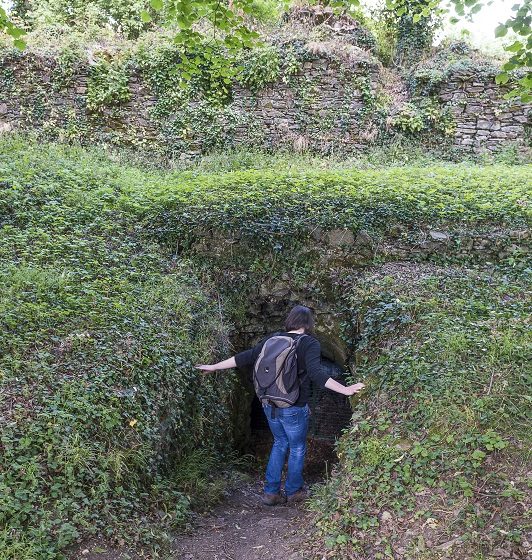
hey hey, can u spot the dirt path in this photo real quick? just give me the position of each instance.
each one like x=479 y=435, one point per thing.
x=241 y=528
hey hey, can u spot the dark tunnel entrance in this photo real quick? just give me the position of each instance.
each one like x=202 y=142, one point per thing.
x=330 y=412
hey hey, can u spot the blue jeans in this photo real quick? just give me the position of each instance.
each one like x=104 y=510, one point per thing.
x=289 y=429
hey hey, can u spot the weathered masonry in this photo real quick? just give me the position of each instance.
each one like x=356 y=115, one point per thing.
x=336 y=98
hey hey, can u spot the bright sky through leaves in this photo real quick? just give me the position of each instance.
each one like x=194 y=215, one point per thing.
x=481 y=28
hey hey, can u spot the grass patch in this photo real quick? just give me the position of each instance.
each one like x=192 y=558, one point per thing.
x=269 y=204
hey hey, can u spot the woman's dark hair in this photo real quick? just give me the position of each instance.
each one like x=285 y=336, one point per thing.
x=300 y=317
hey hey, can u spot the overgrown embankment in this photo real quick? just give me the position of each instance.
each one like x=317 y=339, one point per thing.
x=99 y=399
x=108 y=298
x=436 y=463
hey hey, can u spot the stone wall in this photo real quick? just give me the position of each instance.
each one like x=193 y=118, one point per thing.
x=484 y=119
x=319 y=110
x=334 y=104
x=343 y=247
x=34 y=95
x=331 y=412
x=316 y=110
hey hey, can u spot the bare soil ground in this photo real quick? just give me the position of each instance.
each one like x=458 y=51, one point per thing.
x=241 y=528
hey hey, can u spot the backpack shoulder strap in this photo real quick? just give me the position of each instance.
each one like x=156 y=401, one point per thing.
x=301 y=337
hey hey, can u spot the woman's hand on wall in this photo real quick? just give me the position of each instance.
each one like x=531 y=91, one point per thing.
x=352 y=389
x=206 y=367
x=342 y=389
x=225 y=364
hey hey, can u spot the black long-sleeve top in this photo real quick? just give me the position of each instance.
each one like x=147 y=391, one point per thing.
x=308 y=363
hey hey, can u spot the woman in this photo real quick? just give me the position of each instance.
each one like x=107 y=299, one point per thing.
x=289 y=425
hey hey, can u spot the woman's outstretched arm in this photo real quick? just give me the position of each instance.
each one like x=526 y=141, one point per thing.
x=225 y=364
x=320 y=377
x=342 y=389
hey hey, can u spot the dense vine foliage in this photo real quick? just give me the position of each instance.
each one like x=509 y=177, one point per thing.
x=213 y=27
x=100 y=400
x=434 y=460
x=271 y=205
x=104 y=313
x=122 y=15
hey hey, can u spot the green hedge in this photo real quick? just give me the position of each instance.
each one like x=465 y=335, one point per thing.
x=99 y=402
x=269 y=205
x=273 y=202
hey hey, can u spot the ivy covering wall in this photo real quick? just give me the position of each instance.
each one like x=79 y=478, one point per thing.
x=325 y=94
x=112 y=289
x=101 y=409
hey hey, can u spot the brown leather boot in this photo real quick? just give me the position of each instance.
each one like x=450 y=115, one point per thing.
x=300 y=496
x=273 y=499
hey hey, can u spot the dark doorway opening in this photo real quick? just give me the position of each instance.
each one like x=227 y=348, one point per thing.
x=258 y=422
x=330 y=414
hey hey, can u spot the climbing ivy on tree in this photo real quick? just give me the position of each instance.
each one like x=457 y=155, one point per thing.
x=414 y=34
x=520 y=51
